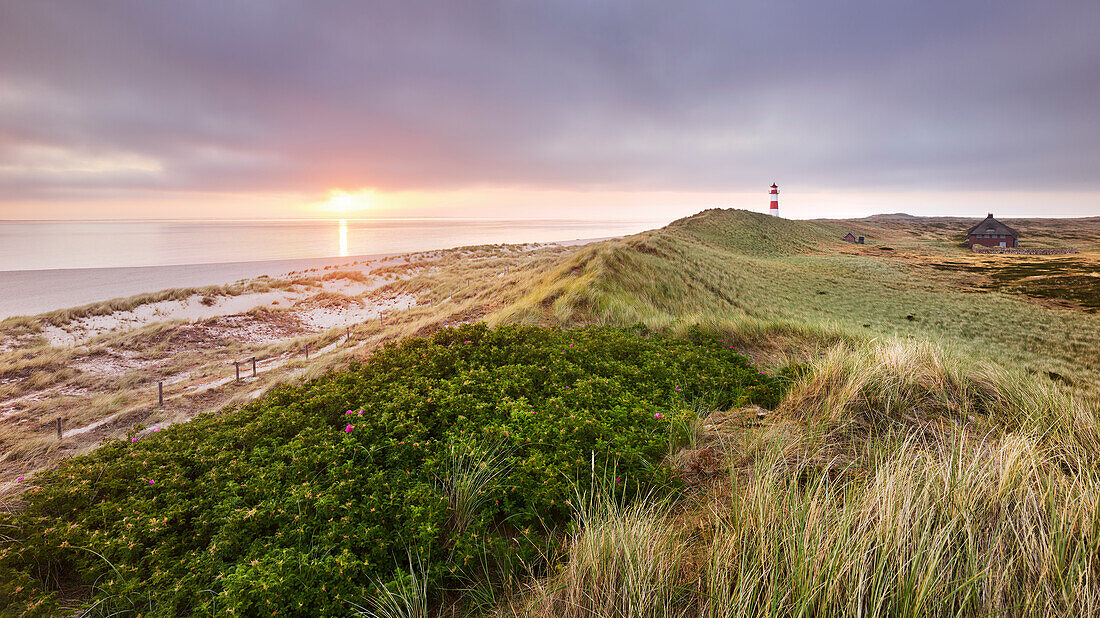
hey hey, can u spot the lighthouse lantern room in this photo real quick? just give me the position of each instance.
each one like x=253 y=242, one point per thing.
x=774 y=208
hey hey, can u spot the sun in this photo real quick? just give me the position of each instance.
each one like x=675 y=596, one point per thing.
x=348 y=202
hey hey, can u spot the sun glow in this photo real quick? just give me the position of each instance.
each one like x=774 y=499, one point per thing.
x=348 y=202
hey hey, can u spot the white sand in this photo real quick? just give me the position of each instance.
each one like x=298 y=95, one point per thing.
x=30 y=292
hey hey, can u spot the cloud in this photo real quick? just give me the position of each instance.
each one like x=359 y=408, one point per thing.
x=696 y=96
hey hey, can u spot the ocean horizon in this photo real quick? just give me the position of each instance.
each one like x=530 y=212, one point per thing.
x=47 y=245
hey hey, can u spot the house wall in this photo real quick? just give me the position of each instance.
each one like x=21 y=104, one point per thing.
x=977 y=239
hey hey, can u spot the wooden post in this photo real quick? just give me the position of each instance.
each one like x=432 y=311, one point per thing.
x=307 y=351
x=237 y=366
x=347 y=334
x=253 y=366
x=160 y=394
x=380 y=323
x=59 y=428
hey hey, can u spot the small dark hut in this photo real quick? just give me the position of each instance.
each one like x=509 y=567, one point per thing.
x=992 y=233
x=849 y=237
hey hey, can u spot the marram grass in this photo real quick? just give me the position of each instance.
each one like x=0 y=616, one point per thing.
x=897 y=479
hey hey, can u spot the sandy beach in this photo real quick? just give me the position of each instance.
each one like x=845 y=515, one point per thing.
x=30 y=292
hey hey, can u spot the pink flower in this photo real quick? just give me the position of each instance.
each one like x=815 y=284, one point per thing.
x=132 y=440
x=156 y=429
x=618 y=480
x=19 y=480
x=467 y=341
x=657 y=416
x=677 y=389
x=348 y=412
x=150 y=481
x=360 y=413
x=348 y=428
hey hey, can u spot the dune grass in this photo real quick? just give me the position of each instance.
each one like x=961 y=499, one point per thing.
x=896 y=479
x=741 y=266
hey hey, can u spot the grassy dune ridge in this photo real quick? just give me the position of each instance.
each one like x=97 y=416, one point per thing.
x=777 y=275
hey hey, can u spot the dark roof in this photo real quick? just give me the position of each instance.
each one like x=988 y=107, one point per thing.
x=989 y=225
x=850 y=234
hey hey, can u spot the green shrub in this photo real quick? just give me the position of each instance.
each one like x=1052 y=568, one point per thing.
x=278 y=507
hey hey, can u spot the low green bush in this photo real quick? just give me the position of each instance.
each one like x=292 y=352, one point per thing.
x=298 y=503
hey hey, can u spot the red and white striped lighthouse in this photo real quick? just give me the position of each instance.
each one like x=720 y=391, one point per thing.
x=774 y=208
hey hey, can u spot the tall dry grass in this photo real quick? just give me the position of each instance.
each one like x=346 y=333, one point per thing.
x=623 y=560
x=897 y=479
x=969 y=528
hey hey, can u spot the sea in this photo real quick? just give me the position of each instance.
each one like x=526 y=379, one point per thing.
x=42 y=245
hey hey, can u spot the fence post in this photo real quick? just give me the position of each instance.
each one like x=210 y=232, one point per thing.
x=160 y=394
x=253 y=366
x=307 y=351
x=237 y=366
x=59 y=428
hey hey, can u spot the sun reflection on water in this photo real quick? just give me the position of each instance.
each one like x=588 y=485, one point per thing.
x=343 y=238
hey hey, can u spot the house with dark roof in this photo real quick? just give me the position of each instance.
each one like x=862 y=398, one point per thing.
x=849 y=237
x=992 y=233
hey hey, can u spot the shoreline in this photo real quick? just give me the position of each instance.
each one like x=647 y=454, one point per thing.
x=33 y=292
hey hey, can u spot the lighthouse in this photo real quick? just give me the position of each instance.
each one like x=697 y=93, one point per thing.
x=774 y=208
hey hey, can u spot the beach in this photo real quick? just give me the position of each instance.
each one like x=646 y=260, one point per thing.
x=30 y=292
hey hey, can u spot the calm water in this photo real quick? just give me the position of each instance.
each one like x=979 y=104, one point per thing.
x=83 y=244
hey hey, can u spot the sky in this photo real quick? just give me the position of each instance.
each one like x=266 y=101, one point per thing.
x=570 y=109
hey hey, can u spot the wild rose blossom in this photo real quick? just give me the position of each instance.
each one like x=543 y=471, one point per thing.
x=348 y=428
